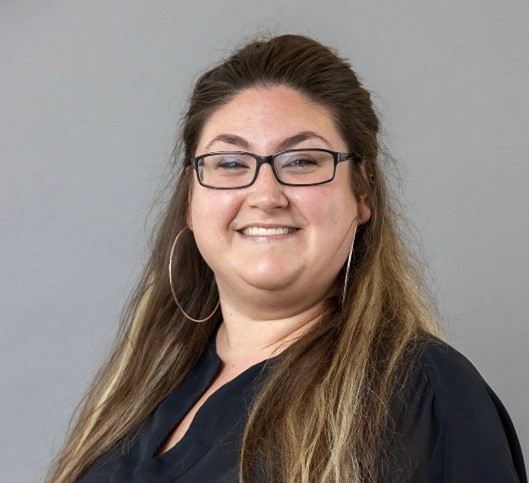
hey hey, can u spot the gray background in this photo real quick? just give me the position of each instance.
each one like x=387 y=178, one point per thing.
x=90 y=97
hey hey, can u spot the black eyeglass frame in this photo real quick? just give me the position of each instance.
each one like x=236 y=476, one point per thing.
x=337 y=156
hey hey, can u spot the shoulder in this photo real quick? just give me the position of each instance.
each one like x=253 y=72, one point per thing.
x=453 y=424
x=460 y=392
x=453 y=378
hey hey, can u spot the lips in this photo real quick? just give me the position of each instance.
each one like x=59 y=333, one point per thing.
x=268 y=231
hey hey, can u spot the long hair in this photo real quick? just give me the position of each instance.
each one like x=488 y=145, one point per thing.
x=322 y=414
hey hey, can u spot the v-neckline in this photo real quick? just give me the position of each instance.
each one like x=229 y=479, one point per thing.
x=212 y=422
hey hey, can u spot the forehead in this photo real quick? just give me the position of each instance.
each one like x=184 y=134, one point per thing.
x=266 y=116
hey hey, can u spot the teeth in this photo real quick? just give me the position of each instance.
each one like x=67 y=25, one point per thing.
x=260 y=231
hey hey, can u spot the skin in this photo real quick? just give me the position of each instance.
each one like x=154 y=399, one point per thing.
x=272 y=281
x=272 y=287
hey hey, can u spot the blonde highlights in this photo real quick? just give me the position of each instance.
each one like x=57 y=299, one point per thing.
x=324 y=411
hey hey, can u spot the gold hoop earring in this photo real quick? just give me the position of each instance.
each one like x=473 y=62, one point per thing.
x=348 y=266
x=172 y=286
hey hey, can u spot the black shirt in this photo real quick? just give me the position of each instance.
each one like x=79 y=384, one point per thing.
x=453 y=429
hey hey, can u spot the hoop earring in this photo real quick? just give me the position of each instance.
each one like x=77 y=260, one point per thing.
x=348 y=266
x=172 y=287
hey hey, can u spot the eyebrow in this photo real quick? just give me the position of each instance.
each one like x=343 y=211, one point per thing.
x=285 y=144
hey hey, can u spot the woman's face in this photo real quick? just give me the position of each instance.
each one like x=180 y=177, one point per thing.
x=289 y=242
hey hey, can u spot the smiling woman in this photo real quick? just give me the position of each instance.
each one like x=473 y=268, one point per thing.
x=281 y=331
x=236 y=231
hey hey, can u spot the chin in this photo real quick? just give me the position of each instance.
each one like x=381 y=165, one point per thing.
x=270 y=284
x=272 y=278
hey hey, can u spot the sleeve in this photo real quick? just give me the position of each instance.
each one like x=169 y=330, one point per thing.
x=453 y=428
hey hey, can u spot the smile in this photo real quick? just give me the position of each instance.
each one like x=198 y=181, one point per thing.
x=261 y=231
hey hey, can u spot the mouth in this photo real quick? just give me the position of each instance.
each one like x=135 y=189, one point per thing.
x=272 y=231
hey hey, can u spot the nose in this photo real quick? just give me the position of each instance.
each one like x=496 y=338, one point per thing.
x=266 y=192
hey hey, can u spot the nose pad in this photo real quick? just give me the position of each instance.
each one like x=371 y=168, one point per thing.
x=266 y=171
x=267 y=192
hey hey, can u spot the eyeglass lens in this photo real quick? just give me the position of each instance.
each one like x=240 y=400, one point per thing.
x=231 y=170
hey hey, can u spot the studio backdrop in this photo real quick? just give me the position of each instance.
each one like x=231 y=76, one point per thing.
x=91 y=94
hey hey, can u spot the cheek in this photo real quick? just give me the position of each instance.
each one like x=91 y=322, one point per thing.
x=332 y=209
x=212 y=210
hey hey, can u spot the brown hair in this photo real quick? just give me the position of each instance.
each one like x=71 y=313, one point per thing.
x=328 y=395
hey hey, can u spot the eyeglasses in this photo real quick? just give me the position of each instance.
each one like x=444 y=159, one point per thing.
x=293 y=167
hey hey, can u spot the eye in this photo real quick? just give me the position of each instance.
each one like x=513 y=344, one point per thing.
x=299 y=161
x=229 y=162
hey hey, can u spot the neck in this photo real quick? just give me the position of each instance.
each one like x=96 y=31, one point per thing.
x=244 y=340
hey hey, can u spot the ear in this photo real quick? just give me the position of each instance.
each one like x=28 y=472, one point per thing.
x=364 y=210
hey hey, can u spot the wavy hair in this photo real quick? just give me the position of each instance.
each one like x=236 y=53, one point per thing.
x=322 y=414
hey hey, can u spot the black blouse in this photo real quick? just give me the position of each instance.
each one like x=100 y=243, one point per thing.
x=452 y=429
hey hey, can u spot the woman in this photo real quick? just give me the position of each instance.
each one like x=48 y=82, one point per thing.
x=280 y=331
